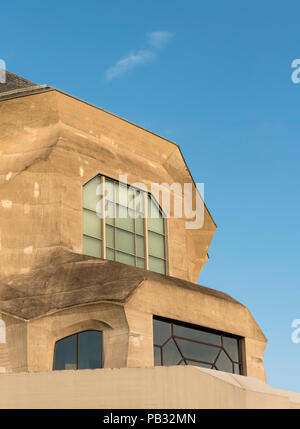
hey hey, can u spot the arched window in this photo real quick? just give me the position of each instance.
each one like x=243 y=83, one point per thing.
x=127 y=227
x=79 y=351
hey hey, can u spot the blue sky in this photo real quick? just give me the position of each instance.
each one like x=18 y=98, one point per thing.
x=215 y=77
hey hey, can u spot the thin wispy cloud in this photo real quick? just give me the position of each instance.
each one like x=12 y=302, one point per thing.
x=156 y=40
x=128 y=63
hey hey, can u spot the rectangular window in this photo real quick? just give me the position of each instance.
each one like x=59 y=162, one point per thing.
x=178 y=343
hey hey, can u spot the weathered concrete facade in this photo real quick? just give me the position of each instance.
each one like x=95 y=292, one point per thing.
x=51 y=145
x=173 y=387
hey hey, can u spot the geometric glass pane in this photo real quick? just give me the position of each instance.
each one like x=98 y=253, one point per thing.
x=156 y=245
x=65 y=353
x=124 y=241
x=157 y=265
x=157 y=356
x=204 y=365
x=110 y=236
x=140 y=246
x=124 y=219
x=171 y=355
x=125 y=259
x=161 y=332
x=90 y=198
x=231 y=346
x=223 y=362
x=89 y=350
x=91 y=224
x=237 y=368
x=203 y=352
x=92 y=247
x=195 y=334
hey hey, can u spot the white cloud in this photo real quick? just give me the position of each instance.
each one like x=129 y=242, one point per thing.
x=128 y=63
x=157 y=39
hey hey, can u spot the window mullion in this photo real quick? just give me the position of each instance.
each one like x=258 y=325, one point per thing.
x=103 y=219
x=146 y=229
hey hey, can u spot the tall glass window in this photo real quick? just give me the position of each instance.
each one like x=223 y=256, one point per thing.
x=127 y=227
x=178 y=343
x=79 y=351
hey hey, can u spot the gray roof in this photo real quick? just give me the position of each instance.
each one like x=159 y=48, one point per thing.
x=17 y=85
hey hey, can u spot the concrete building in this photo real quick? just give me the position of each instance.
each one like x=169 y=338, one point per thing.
x=92 y=283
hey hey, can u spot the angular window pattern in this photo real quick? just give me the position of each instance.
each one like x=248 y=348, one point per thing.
x=79 y=351
x=177 y=343
x=130 y=227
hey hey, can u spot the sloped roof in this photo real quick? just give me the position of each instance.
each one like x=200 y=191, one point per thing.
x=16 y=85
x=72 y=279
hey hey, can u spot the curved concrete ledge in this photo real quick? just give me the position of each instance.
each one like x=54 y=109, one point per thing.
x=151 y=388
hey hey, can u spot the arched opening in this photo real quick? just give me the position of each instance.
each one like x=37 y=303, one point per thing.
x=82 y=350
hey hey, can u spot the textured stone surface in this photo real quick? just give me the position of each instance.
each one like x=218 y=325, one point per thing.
x=51 y=144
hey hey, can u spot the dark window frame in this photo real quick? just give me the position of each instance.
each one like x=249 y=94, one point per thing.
x=184 y=359
x=77 y=347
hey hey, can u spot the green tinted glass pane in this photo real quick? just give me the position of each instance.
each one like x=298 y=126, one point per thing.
x=136 y=200
x=90 y=198
x=65 y=353
x=110 y=254
x=157 y=356
x=161 y=332
x=92 y=247
x=197 y=334
x=140 y=263
x=91 y=224
x=122 y=194
x=110 y=236
x=231 y=346
x=155 y=219
x=124 y=241
x=156 y=244
x=109 y=190
x=110 y=210
x=140 y=246
x=123 y=219
x=153 y=210
x=125 y=259
x=156 y=225
x=157 y=265
x=197 y=351
x=139 y=225
x=90 y=350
